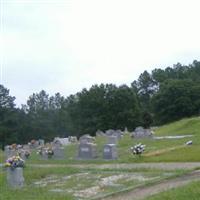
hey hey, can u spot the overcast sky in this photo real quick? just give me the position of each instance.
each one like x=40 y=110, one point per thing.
x=66 y=45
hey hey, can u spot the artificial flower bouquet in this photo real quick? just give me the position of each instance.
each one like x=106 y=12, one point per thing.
x=49 y=151
x=14 y=162
x=138 y=149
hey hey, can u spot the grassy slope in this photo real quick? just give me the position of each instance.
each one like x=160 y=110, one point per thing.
x=180 y=153
x=185 y=153
x=191 y=191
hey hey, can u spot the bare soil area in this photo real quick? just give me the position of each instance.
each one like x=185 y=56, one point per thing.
x=146 y=191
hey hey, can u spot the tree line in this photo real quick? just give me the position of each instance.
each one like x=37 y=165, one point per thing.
x=155 y=98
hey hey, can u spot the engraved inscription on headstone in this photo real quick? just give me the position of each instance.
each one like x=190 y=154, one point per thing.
x=58 y=153
x=110 y=151
x=87 y=151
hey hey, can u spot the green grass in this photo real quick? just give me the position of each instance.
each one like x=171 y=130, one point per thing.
x=190 y=191
x=186 y=126
x=71 y=181
x=181 y=154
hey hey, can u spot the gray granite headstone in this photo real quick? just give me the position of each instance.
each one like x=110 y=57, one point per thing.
x=87 y=151
x=7 y=151
x=10 y=152
x=110 y=132
x=72 y=139
x=118 y=133
x=112 y=139
x=59 y=153
x=43 y=154
x=86 y=139
x=100 y=133
x=41 y=142
x=140 y=132
x=15 y=178
x=110 y=151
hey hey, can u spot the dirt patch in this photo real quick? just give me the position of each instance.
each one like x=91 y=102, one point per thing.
x=110 y=181
x=162 y=151
x=143 y=192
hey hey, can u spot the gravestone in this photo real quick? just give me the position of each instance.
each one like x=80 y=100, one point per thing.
x=15 y=177
x=112 y=139
x=41 y=142
x=33 y=144
x=9 y=152
x=110 y=132
x=110 y=151
x=58 y=153
x=100 y=133
x=87 y=151
x=118 y=133
x=72 y=139
x=86 y=139
x=24 y=153
x=140 y=132
x=43 y=153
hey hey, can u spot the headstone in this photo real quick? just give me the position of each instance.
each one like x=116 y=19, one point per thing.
x=110 y=151
x=24 y=153
x=44 y=155
x=140 y=132
x=58 y=153
x=15 y=177
x=72 y=139
x=9 y=152
x=100 y=133
x=110 y=132
x=87 y=151
x=118 y=133
x=86 y=139
x=125 y=130
x=33 y=144
x=112 y=139
x=41 y=142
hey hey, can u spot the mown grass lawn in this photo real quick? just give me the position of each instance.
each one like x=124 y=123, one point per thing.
x=171 y=150
x=163 y=150
x=58 y=183
x=188 y=192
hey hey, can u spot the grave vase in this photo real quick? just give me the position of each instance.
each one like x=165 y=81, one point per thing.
x=15 y=178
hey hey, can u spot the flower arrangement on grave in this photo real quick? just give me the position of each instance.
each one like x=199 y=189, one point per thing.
x=138 y=149
x=49 y=151
x=14 y=162
x=39 y=151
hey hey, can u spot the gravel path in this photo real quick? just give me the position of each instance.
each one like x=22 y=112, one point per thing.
x=146 y=191
x=163 y=166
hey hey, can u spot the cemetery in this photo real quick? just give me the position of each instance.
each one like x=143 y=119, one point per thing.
x=96 y=167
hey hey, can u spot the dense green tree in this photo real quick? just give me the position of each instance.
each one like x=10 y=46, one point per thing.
x=104 y=107
x=7 y=116
x=176 y=99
